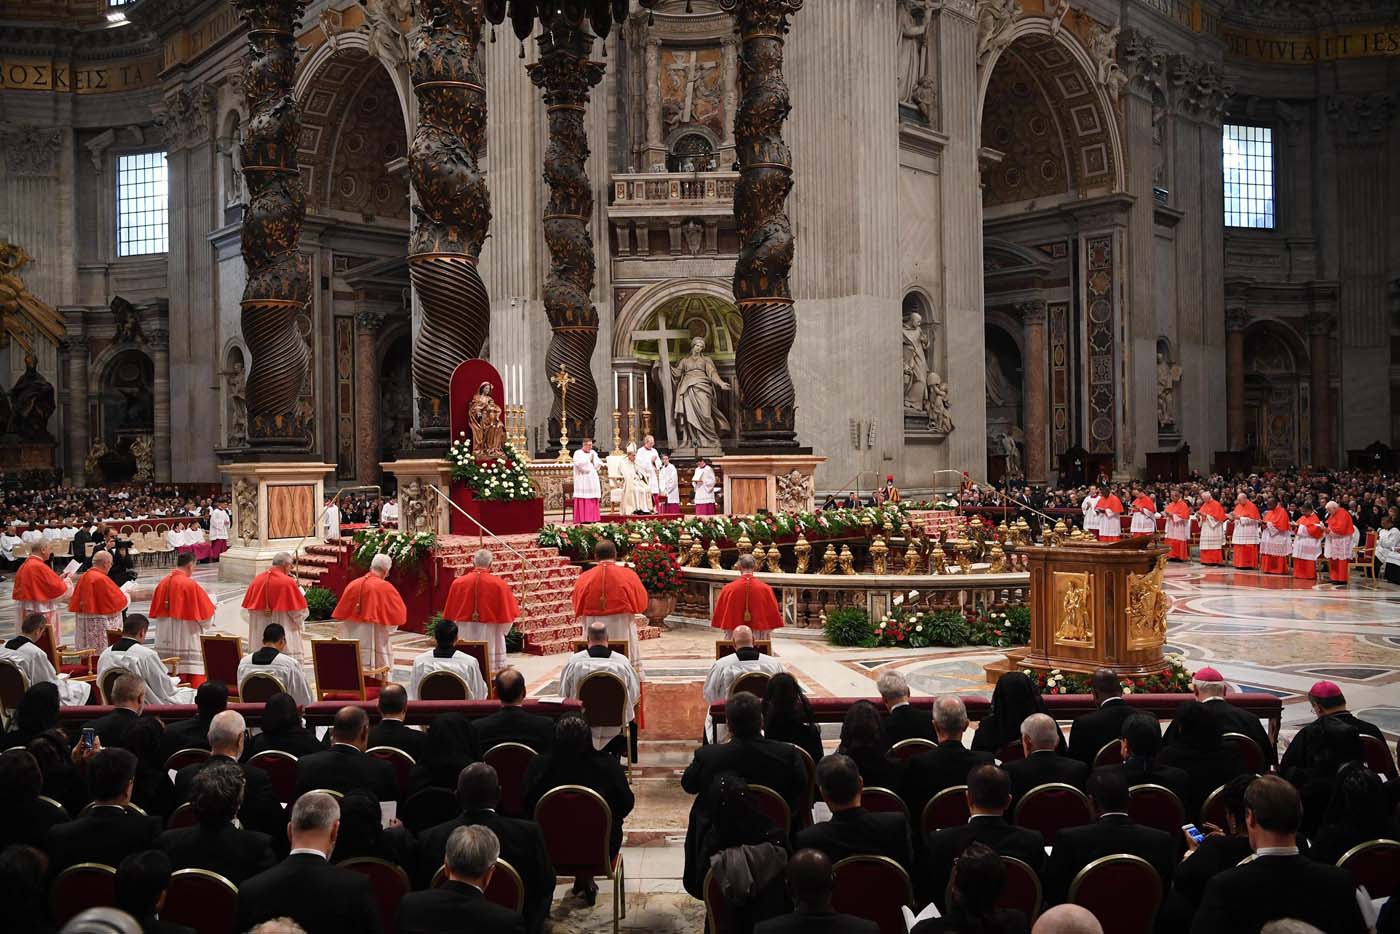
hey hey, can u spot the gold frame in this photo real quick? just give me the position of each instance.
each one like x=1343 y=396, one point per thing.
x=443 y=673
x=949 y=792
x=617 y=875
x=1067 y=584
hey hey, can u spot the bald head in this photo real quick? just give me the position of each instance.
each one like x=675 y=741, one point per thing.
x=100 y=559
x=597 y=633
x=743 y=637
x=1067 y=919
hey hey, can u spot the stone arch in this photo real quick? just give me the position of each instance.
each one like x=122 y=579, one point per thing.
x=641 y=306
x=126 y=395
x=1276 y=393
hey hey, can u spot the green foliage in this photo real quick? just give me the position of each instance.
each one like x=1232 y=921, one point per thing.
x=849 y=625
x=515 y=640
x=406 y=551
x=320 y=603
x=948 y=627
x=430 y=627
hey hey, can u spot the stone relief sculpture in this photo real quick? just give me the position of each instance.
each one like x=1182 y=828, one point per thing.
x=92 y=463
x=1000 y=390
x=237 y=381
x=916 y=372
x=994 y=21
x=245 y=501
x=32 y=403
x=794 y=492
x=413 y=506
x=1168 y=376
x=940 y=407
x=1103 y=48
x=1075 y=623
x=691 y=232
x=385 y=24
x=913 y=46
x=699 y=417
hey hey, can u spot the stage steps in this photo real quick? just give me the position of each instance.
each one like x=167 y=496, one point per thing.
x=317 y=558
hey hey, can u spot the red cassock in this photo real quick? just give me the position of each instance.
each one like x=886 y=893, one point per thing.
x=1339 y=523
x=1216 y=511
x=371 y=599
x=607 y=590
x=1306 y=568
x=35 y=581
x=179 y=597
x=275 y=591
x=96 y=595
x=1245 y=556
x=747 y=602
x=1277 y=518
x=1180 y=548
x=1111 y=526
x=480 y=597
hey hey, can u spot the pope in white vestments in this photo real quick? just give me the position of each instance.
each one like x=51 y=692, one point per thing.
x=649 y=468
x=131 y=654
x=598 y=657
x=588 y=489
x=36 y=664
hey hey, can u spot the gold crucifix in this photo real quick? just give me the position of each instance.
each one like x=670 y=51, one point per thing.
x=563 y=380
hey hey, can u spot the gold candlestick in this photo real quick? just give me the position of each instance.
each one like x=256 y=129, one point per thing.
x=646 y=417
x=617 y=433
x=563 y=380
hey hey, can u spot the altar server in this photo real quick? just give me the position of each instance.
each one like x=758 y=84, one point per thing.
x=747 y=601
x=588 y=489
x=275 y=597
x=447 y=657
x=273 y=659
x=1088 y=506
x=38 y=589
x=389 y=514
x=1275 y=542
x=1110 y=510
x=97 y=603
x=613 y=595
x=1144 y=515
x=1339 y=542
x=670 y=488
x=1307 y=544
x=1388 y=551
x=599 y=657
x=703 y=482
x=132 y=654
x=188 y=611
x=483 y=607
x=219 y=524
x=1178 y=528
x=1212 y=517
x=1245 y=537
x=36 y=664
x=371 y=610
x=8 y=540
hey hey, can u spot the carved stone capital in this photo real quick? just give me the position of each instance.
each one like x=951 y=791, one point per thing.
x=187 y=117
x=74 y=345
x=1236 y=318
x=1140 y=59
x=31 y=151
x=761 y=16
x=1032 y=312
x=1361 y=118
x=369 y=322
x=1319 y=325
x=1198 y=89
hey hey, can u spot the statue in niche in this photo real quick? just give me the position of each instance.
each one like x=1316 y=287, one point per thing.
x=1005 y=443
x=127 y=323
x=237 y=403
x=245 y=500
x=386 y=37
x=691 y=232
x=32 y=403
x=484 y=420
x=1168 y=375
x=92 y=463
x=913 y=46
x=940 y=407
x=144 y=456
x=916 y=346
x=1000 y=390
x=699 y=418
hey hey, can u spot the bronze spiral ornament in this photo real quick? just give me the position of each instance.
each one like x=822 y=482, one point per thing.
x=767 y=400
x=453 y=210
x=278 y=285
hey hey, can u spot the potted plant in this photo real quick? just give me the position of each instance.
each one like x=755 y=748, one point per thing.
x=661 y=575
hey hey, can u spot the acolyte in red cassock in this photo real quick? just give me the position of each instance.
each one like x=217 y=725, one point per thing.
x=96 y=595
x=35 y=581
x=1246 y=554
x=479 y=596
x=747 y=601
x=371 y=599
x=275 y=591
x=1308 y=528
x=1179 y=549
x=1276 y=519
x=179 y=597
x=607 y=589
x=1111 y=524
x=1339 y=524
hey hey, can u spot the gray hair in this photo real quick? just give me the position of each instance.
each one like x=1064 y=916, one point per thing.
x=746 y=563
x=102 y=558
x=1068 y=919
x=472 y=851
x=315 y=810
x=1288 y=926
x=217 y=790
x=1040 y=731
x=226 y=728
x=1209 y=688
x=950 y=714
x=381 y=562
x=282 y=559
x=892 y=686
x=482 y=558
x=102 y=921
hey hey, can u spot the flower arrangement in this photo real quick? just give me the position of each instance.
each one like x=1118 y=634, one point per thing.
x=658 y=568
x=1173 y=679
x=320 y=603
x=504 y=479
x=919 y=629
x=406 y=551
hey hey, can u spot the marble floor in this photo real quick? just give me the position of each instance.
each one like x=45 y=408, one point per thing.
x=1263 y=633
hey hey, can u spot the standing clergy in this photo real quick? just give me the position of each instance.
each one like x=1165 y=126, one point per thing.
x=703 y=482
x=275 y=597
x=445 y=656
x=613 y=595
x=1178 y=528
x=219 y=524
x=588 y=489
x=98 y=603
x=1110 y=510
x=1245 y=537
x=38 y=589
x=744 y=660
x=1144 y=514
x=1388 y=551
x=389 y=514
x=649 y=469
x=599 y=657
x=670 y=488
x=36 y=664
x=1089 y=506
x=131 y=653
x=636 y=493
x=330 y=523
x=188 y=610
x=747 y=601
x=483 y=607
x=1274 y=540
x=1212 y=517
x=1307 y=544
x=1339 y=542
x=9 y=538
x=372 y=609
x=272 y=659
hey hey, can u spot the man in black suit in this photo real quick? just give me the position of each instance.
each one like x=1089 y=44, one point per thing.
x=322 y=898
x=215 y=843
x=140 y=885
x=391 y=730
x=260 y=811
x=1140 y=743
x=1210 y=689
x=210 y=699
x=905 y=721
x=1313 y=748
x=749 y=755
x=522 y=843
x=108 y=832
x=988 y=797
x=1278 y=883
x=512 y=723
x=128 y=697
x=344 y=767
x=1222 y=849
x=1093 y=731
x=1042 y=764
x=809 y=882
x=929 y=773
x=459 y=903
x=852 y=830
x=1112 y=832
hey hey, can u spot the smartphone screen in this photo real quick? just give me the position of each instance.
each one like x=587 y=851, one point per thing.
x=1191 y=831
x=88 y=735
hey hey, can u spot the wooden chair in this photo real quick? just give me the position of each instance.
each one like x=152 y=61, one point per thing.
x=105 y=683
x=390 y=884
x=511 y=761
x=1213 y=810
x=773 y=806
x=1363 y=558
x=183 y=757
x=604 y=699
x=60 y=813
x=1249 y=750
x=878 y=800
x=427 y=808
x=577 y=827
x=113 y=637
x=1110 y=754
x=1378 y=758
x=401 y=761
x=725 y=647
x=1022 y=889
x=203 y=900
x=715 y=916
x=281 y=767
x=948 y=808
x=1374 y=864
x=84 y=669
x=874 y=888
x=506 y=888
x=83 y=886
x=1156 y=806
x=1051 y=808
x=182 y=816
x=339 y=676
x=259 y=686
x=1102 y=886
x=906 y=749
x=221 y=656
x=443 y=685
x=615 y=645
x=480 y=651
x=755 y=682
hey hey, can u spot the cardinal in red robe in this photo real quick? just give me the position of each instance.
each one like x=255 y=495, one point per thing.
x=97 y=602
x=274 y=596
x=1110 y=509
x=1178 y=532
x=1245 y=540
x=187 y=607
x=1144 y=515
x=612 y=594
x=747 y=601
x=483 y=607
x=38 y=590
x=1307 y=545
x=1337 y=545
x=1277 y=520
x=372 y=607
x=1212 y=537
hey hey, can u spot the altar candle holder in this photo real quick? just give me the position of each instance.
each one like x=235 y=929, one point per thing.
x=646 y=418
x=617 y=433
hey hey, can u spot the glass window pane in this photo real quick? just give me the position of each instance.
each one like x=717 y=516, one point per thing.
x=1248 y=161
x=142 y=204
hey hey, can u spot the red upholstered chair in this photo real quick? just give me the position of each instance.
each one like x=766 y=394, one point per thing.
x=873 y=888
x=1213 y=810
x=1378 y=758
x=84 y=666
x=809 y=794
x=1011 y=752
x=83 y=886
x=883 y=801
x=755 y=682
x=948 y=808
x=259 y=686
x=1249 y=750
x=281 y=767
x=506 y=888
x=13 y=684
x=183 y=757
x=390 y=884
x=201 y=899
x=604 y=699
x=221 y=656
x=725 y=647
x=1050 y=808
x=1104 y=887
x=339 y=677
x=427 y=808
x=1022 y=889
x=1374 y=864
x=1156 y=806
x=714 y=906
x=183 y=816
x=113 y=637
x=401 y=761
x=443 y=685
x=482 y=653
x=773 y=806
x=510 y=760
x=1110 y=754
x=577 y=825
x=906 y=749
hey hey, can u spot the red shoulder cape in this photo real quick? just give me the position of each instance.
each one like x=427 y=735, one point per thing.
x=1339 y=523
x=1278 y=518
x=480 y=596
x=274 y=590
x=607 y=590
x=179 y=597
x=36 y=581
x=751 y=595
x=371 y=599
x=96 y=595
x=1246 y=510
x=1214 y=510
x=1179 y=509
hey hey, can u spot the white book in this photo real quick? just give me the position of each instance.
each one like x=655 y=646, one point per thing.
x=911 y=919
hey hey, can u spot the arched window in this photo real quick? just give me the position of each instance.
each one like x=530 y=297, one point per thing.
x=692 y=153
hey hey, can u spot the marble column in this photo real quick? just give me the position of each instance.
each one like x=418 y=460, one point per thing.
x=1037 y=411
x=1236 y=320
x=1320 y=402
x=76 y=347
x=656 y=149
x=729 y=71
x=159 y=343
x=367 y=325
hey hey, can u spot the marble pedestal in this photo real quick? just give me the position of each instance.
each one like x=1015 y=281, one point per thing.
x=276 y=507
x=776 y=482
x=421 y=509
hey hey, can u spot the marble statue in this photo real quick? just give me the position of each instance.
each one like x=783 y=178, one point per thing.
x=692 y=231
x=92 y=464
x=699 y=418
x=145 y=459
x=1103 y=48
x=484 y=420
x=127 y=323
x=32 y=403
x=794 y=492
x=1168 y=375
x=994 y=21
x=238 y=404
x=913 y=46
x=245 y=499
x=386 y=37
x=940 y=407
x=916 y=370
x=1000 y=390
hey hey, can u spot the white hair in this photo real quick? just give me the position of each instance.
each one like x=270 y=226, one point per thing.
x=102 y=558
x=1040 y=730
x=482 y=558
x=950 y=714
x=472 y=851
x=381 y=562
x=892 y=686
x=225 y=729
x=282 y=559
x=1209 y=688
x=1288 y=926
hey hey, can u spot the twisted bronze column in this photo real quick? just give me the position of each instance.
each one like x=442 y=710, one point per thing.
x=566 y=75
x=278 y=283
x=766 y=397
x=453 y=210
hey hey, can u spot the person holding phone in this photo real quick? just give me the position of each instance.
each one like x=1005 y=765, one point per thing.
x=1210 y=850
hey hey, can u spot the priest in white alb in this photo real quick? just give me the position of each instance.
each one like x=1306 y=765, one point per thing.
x=745 y=659
x=703 y=482
x=330 y=523
x=445 y=656
x=1089 y=507
x=131 y=653
x=588 y=489
x=273 y=659
x=670 y=488
x=599 y=657
x=649 y=468
x=24 y=654
x=219 y=525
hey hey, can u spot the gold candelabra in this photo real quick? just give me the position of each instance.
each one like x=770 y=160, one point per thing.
x=516 y=429
x=617 y=433
x=563 y=380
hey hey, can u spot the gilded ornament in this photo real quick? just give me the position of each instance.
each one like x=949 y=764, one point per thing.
x=879 y=556
x=829 y=560
x=847 y=560
x=775 y=558
x=712 y=555
x=803 y=552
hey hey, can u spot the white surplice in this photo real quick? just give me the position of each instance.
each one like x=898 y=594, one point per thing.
x=580 y=665
x=460 y=664
x=284 y=668
x=37 y=667
x=586 y=482
x=144 y=662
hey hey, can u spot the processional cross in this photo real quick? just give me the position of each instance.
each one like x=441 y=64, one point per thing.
x=663 y=338
x=692 y=72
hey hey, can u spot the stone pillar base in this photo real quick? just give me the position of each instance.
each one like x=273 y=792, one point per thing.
x=420 y=509
x=276 y=507
x=775 y=482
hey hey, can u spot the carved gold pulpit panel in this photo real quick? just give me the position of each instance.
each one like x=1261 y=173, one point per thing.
x=1074 y=609
x=1147 y=608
